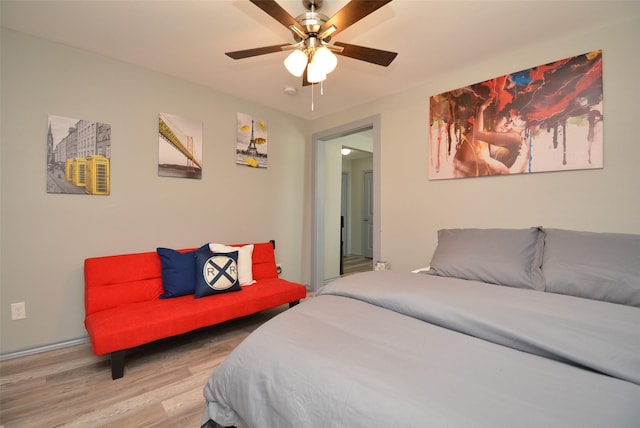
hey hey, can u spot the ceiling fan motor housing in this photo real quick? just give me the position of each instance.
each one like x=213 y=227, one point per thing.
x=311 y=22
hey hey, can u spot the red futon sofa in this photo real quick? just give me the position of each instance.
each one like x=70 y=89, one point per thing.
x=123 y=307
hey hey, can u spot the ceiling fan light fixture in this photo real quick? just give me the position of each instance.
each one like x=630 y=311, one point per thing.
x=296 y=62
x=312 y=54
x=325 y=59
x=315 y=73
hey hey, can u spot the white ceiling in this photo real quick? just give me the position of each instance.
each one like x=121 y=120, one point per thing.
x=188 y=39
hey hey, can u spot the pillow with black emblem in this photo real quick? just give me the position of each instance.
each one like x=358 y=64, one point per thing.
x=216 y=272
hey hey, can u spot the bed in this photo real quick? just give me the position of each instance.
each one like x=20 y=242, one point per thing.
x=508 y=327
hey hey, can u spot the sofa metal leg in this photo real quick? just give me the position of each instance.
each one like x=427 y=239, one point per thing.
x=292 y=304
x=213 y=424
x=117 y=364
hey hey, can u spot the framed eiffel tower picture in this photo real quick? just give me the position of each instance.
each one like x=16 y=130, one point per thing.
x=251 y=141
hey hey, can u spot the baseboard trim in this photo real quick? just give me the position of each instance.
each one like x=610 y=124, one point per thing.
x=44 y=348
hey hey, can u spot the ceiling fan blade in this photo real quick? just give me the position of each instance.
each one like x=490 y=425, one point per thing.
x=351 y=13
x=276 y=11
x=375 y=56
x=256 y=51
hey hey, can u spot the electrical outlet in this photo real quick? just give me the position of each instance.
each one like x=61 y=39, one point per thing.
x=18 y=311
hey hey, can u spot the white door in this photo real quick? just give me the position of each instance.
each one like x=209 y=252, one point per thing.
x=344 y=212
x=367 y=221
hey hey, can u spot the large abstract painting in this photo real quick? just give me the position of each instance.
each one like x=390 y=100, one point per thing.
x=546 y=118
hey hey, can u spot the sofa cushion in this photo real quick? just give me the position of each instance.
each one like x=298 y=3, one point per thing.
x=216 y=272
x=112 y=281
x=264 y=261
x=127 y=326
x=178 y=272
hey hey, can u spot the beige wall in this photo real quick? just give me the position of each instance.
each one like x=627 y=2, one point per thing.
x=414 y=208
x=45 y=237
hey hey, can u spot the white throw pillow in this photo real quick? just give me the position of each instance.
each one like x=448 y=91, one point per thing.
x=245 y=260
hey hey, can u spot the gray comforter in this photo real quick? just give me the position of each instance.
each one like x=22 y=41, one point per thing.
x=393 y=349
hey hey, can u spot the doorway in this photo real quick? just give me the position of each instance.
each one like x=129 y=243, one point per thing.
x=356 y=212
x=368 y=216
x=321 y=141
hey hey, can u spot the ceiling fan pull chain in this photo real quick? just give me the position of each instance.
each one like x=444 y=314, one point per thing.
x=312 y=86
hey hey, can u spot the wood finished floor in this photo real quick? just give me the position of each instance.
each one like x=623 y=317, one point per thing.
x=162 y=385
x=355 y=264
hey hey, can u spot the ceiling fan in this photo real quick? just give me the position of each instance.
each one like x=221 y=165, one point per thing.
x=312 y=53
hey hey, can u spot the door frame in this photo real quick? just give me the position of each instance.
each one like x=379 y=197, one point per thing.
x=367 y=196
x=317 y=221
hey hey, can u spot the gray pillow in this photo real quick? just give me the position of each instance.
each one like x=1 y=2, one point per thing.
x=510 y=257
x=598 y=266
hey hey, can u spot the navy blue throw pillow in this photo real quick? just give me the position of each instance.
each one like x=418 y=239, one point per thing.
x=178 y=272
x=216 y=273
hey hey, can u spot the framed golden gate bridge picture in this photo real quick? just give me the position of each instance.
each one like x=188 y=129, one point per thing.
x=179 y=147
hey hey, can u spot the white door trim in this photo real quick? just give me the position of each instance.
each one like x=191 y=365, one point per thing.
x=317 y=221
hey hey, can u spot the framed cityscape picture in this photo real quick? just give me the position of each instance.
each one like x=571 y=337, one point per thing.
x=78 y=156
